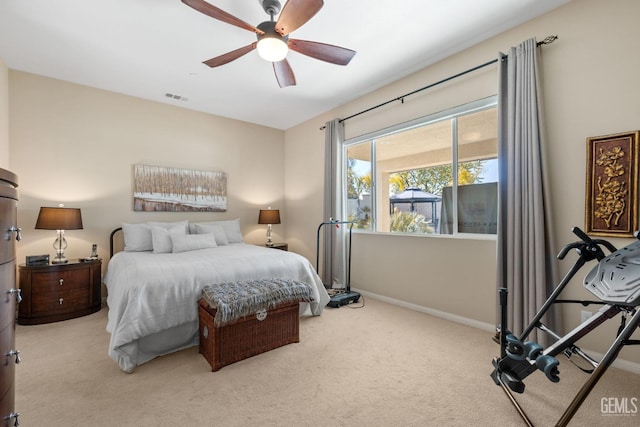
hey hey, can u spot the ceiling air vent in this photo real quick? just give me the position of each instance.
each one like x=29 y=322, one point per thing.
x=176 y=97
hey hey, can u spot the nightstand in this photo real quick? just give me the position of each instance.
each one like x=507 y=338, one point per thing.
x=281 y=246
x=55 y=292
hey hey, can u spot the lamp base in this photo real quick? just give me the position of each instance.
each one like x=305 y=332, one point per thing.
x=59 y=259
x=60 y=245
x=269 y=240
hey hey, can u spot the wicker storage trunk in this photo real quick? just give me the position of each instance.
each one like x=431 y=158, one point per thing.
x=246 y=336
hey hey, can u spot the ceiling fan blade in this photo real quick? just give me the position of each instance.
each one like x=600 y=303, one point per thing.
x=219 y=14
x=322 y=51
x=284 y=73
x=230 y=56
x=296 y=13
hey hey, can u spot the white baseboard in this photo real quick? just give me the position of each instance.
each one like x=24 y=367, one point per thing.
x=437 y=313
x=618 y=363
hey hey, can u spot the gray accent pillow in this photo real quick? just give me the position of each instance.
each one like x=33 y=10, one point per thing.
x=231 y=229
x=192 y=242
x=217 y=230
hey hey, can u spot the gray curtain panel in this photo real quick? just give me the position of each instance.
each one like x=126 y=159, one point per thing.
x=333 y=271
x=527 y=264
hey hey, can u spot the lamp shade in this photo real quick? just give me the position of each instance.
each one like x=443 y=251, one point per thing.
x=269 y=216
x=59 y=219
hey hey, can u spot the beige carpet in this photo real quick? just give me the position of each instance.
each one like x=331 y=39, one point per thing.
x=377 y=366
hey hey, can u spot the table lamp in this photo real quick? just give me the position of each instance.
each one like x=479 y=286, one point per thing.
x=269 y=217
x=59 y=219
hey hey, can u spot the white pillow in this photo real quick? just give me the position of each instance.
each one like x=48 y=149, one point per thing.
x=160 y=240
x=231 y=229
x=192 y=242
x=172 y=224
x=217 y=230
x=137 y=237
x=161 y=237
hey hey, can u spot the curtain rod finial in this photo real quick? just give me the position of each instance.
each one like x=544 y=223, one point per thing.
x=548 y=40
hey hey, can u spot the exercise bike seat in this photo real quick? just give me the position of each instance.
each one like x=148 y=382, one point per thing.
x=616 y=278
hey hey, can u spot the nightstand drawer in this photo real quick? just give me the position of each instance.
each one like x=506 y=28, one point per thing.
x=62 y=301
x=51 y=282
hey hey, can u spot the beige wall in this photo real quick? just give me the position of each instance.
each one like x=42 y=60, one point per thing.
x=590 y=88
x=4 y=116
x=76 y=145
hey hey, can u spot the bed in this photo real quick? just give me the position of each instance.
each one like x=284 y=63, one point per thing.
x=152 y=294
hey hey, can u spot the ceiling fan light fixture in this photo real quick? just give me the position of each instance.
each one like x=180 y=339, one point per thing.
x=272 y=49
x=271 y=46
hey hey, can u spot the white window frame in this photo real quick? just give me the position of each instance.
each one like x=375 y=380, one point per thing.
x=472 y=107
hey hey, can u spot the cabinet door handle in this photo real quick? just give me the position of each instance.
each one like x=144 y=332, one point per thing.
x=18 y=293
x=17 y=230
x=61 y=300
x=15 y=353
x=61 y=281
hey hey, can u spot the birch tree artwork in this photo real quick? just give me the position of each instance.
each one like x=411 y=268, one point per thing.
x=157 y=188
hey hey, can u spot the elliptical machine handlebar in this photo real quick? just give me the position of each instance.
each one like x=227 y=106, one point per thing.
x=588 y=248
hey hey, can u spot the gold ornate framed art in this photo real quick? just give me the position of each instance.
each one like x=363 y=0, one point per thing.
x=612 y=185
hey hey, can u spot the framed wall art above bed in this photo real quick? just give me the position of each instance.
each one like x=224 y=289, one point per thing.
x=157 y=188
x=612 y=185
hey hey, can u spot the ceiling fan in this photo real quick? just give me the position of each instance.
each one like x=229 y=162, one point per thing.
x=273 y=36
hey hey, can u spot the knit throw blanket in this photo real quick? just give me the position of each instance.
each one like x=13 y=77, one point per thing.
x=235 y=300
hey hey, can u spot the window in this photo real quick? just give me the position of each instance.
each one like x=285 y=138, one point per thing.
x=435 y=175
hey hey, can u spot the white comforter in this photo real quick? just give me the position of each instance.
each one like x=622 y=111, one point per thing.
x=149 y=293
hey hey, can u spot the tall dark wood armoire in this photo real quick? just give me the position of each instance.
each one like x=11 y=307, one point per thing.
x=9 y=296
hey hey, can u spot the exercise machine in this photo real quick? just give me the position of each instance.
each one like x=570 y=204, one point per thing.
x=340 y=297
x=615 y=281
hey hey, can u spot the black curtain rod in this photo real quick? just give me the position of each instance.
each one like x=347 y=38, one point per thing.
x=547 y=40
x=401 y=98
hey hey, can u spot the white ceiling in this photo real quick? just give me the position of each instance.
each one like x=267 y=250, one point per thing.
x=150 y=48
